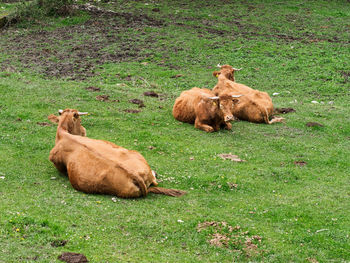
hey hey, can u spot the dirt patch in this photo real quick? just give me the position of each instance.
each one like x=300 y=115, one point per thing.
x=284 y=110
x=219 y=240
x=231 y=157
x=232 y=185
x=91 y=88
x=314 y=124
x=43 y=123
x=127 y=78
x=346 y=75
x=138 y=102
x=59 y=243
x=102 y=97
x=176 y=76
x=221 y=234
x=151 y=94
x=73 y=257
x=300 y=163
x=132 y=111
x=77 y=51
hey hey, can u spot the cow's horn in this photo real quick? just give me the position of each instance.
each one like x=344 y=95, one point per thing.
x=236 y=96
x=60 y=111
x=218 y=65
x=82 y=113
x=237 y=69
x=213 y=98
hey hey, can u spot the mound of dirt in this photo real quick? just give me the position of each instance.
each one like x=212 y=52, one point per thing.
x=138 y=102
x=70 y=257
x=151 y=94
x=284 y=110
x=314 y=124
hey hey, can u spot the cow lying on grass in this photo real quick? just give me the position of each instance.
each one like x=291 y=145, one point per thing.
x=207 y=111
x=255 y=106
x=97 y=166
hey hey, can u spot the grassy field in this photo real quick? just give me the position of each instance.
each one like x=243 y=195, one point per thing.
x=288 y=202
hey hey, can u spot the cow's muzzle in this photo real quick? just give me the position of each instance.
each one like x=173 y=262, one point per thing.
x=228 y=118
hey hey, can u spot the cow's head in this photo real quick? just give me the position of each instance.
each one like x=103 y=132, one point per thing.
x=227 y=71
x=69 y=120
x=226 y=104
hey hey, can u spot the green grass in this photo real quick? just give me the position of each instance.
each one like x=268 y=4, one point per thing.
x=299 y=49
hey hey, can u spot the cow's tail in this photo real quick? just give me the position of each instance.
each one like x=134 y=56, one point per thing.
x=266 y=117
x=165 y=191
x=138 y=181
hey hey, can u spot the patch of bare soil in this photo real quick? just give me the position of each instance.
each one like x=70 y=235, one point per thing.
x=138 y=102
x=76 y=52
x=73 y=257
x=176 y=76
x=283 y=110
x=59 y=243
x=43 y=123
x=221 y=234
x=102 y=97
x=132 y=111
x=93 y=88
x=300 y=163
x=232 y=185
x=151 y=94
x=346 y=75
x=231 y=157
x=314 y=124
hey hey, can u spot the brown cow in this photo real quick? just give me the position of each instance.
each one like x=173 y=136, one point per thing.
x=97 y=166
x=255 y=106
x=207 y=111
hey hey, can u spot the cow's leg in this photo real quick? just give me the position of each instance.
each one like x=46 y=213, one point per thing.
x=130 y=190
x=154 y=180
x=216 y=126
x=228 y=126
x=276 y=119
x=56 y=160
x=199 y=125
x=61 y=168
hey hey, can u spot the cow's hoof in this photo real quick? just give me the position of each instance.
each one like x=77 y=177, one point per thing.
x=210 y=130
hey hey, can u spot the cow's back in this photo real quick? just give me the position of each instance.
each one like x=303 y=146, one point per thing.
x=252 y=108
x=185 y=106
x=225 y=86
x=97 y=166
x=129 y=160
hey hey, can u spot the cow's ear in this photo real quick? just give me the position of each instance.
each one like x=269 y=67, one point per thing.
x=216 y=73
x=53 y=118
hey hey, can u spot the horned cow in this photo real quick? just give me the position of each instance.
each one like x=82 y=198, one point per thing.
x=255 y=106
x=207 y=111
x=98 y=166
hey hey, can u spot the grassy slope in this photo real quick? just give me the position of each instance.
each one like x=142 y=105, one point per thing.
x=300 y=50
